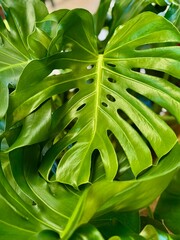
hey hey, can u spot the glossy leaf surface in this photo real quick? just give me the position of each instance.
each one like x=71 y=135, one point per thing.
x=149 y=232
x=168 y=208
x=14 y=49
x=111 y=14
x=104 y=88
x=38 y=208
x=81 y=141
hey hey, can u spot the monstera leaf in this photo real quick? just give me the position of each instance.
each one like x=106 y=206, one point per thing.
x=90 y=232
x=111 y=14
x=76 y=118
x=33 y=208
x=15 y=53
x=101 y=96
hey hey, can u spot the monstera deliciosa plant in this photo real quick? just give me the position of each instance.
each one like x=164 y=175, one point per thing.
x=89 y=121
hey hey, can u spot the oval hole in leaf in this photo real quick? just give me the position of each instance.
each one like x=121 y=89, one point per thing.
x=89 y=67
x=81 y=107
x=149 y=72
x=110 y=98
x=112 y=80
x=155 y=45
x=60 y=71
x=111 y=65
x=89 y=81
x=104 y=104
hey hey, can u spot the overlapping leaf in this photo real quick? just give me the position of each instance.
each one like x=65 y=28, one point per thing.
x=104 y=102
x=168 y=208
x=149 y=232
x=111 y=14
x=36 y=209
x=14 y=50
x=95 y=107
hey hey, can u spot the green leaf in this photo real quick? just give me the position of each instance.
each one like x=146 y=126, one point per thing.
x=122 y=224
x=86 y=232
x=104 y=89
x=33 y=207
x=101 y=14
x=124 y=195
x=46 y=39
x=35 y=128
x=111 y=14
x=14 y=49
x=168 y=208
x=173 y=14
x=149 y=232
x=118 y=223
x=36 y=208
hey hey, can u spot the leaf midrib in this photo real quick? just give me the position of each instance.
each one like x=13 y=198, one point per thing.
x=97 y=100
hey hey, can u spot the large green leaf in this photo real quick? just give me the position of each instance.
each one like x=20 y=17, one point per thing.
x=36 y=209
x=15 y=54
x=103 y=101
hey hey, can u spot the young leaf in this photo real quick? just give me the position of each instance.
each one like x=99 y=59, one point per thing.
x=14 y=50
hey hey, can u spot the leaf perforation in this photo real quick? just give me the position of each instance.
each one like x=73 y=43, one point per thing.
x=153 y=45
x=111 y=80
x=118 y=123
x=81 y=107
x=111 y=98
x=90 y=81
x=104 y=104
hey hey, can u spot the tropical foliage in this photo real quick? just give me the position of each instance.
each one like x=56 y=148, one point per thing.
x=89 y=125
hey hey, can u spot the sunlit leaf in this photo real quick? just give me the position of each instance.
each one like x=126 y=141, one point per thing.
x=85 y=145
x=38 y=207
x=104 y=88
x=149 y=232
